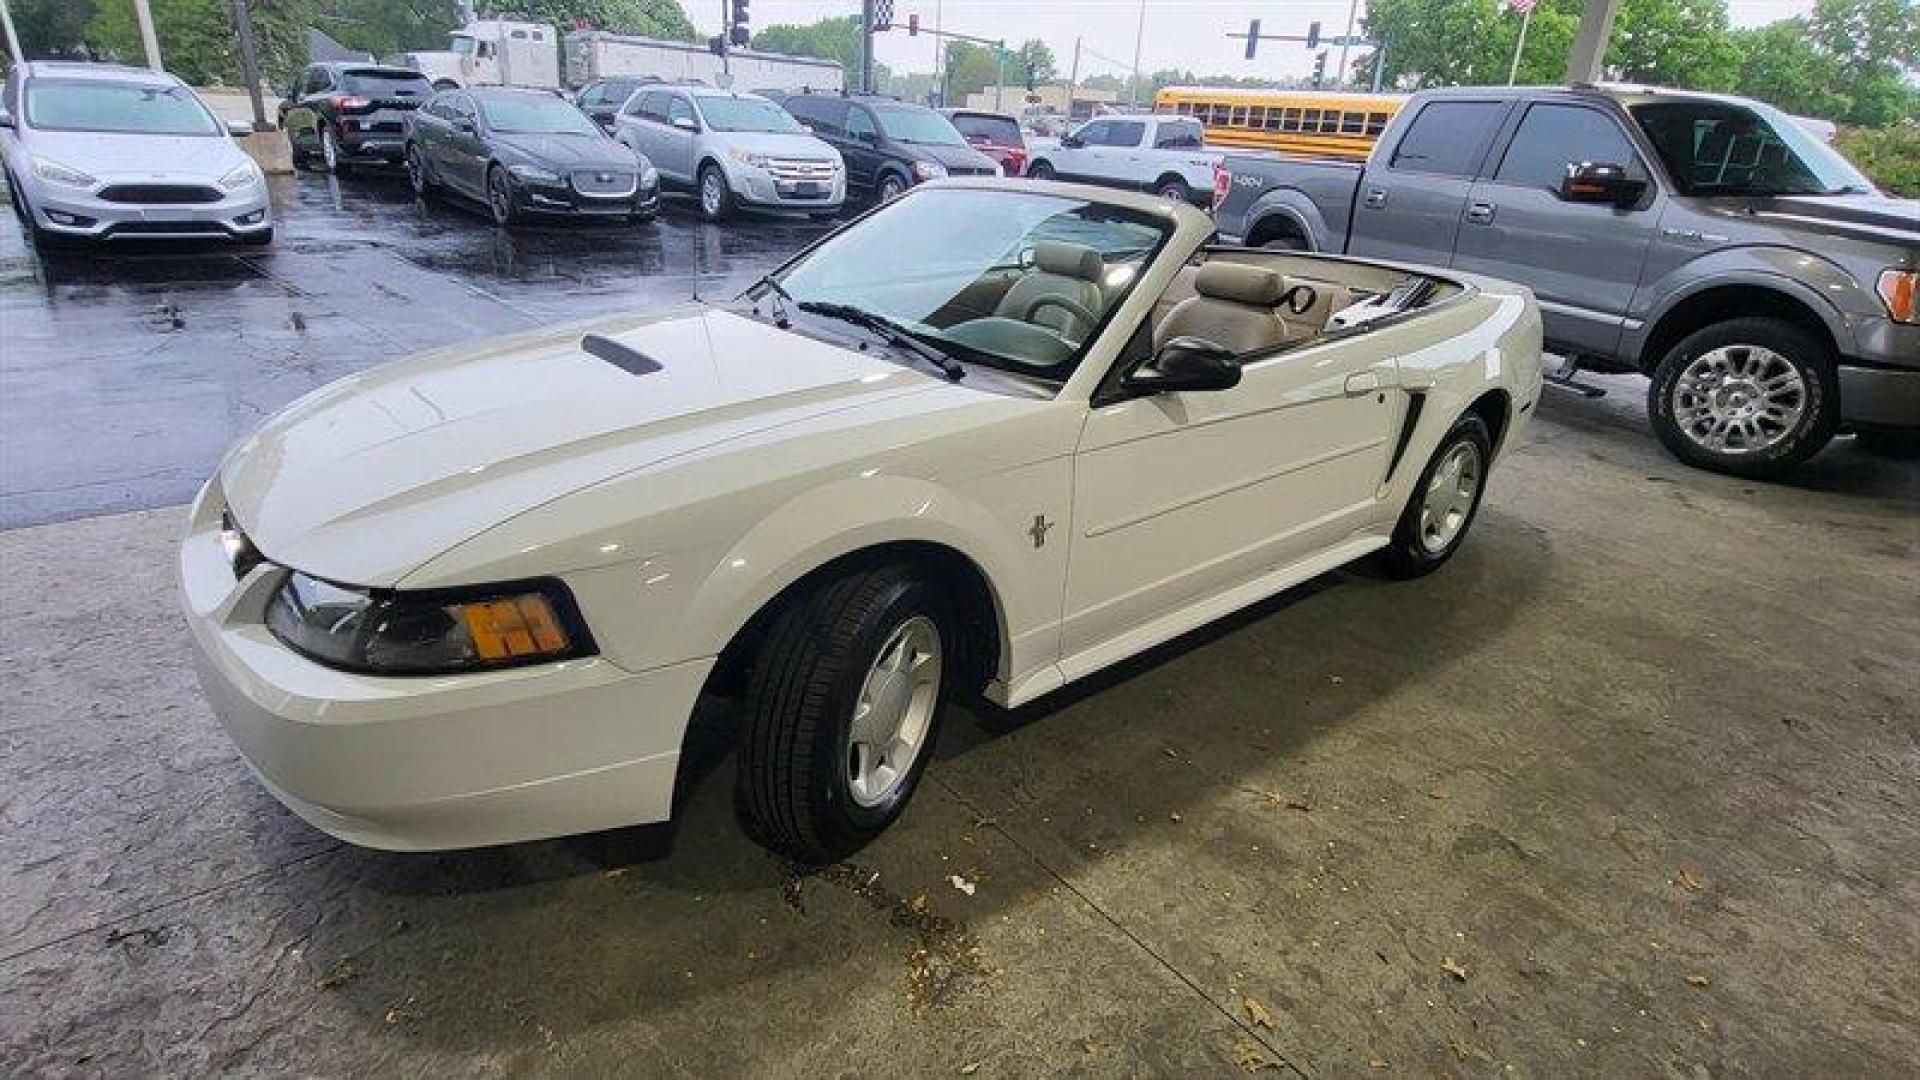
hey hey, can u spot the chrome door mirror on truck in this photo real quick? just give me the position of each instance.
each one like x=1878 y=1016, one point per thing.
x=1600 y=182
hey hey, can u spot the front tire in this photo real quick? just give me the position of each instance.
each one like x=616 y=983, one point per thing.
x=1444 y=502
x=502 y=204
x=716 y=195
x=1752 y=397
x=892 y=186
x=841 y=712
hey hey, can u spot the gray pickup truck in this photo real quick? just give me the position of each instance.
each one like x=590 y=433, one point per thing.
x=1768 y=290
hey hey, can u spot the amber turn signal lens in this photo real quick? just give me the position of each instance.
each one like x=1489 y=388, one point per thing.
x=514 y=627
x=1900 y=290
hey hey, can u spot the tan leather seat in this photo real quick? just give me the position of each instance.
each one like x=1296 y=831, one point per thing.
x=1070 y=271
x=1232 y=307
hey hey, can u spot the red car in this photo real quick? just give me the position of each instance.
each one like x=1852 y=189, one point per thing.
x=995 y=135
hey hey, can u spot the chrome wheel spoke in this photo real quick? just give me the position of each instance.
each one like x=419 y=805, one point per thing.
x=1738 y=399
x=894 y=711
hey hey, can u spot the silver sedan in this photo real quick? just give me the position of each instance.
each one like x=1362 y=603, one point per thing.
x=96 y=151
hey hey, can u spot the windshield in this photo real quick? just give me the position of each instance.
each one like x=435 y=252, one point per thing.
x=118 y=107
x=746 y=114
x=1016 y=280
x=535 y=114
x=1719 y=148
x=910 y=125
x=996 y=130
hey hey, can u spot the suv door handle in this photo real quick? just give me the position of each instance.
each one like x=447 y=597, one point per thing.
x=1376 y=198
x=1480 y=213
x=1362 y=382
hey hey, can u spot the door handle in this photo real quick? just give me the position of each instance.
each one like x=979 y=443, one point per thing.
x=1362 y=382
x=1480 y=213
x=1376 y=198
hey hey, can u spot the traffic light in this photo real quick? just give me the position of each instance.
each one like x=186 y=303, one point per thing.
x=1313 y=32
x=913 y=24
x=738 y=34
x=1319 y=70
x=1032 y=79
x=1253 y=37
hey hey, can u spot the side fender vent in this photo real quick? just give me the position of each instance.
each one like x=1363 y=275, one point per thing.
x=631 y=361
x=1415 y=402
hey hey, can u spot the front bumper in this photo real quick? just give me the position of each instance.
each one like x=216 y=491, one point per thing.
x=563 y=199
x=758 y=187
x=83 y=213
x=430 y=763
x=1879 y=397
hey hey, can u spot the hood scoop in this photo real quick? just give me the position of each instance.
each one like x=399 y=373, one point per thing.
x=630 y=360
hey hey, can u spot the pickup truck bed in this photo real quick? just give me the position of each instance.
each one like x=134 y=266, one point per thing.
x=1311 y=210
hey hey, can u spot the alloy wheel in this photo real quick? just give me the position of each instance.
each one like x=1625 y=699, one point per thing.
x=891 y=188
x=499 y=197
x=894 y=711
x=329 y=150
x=416 y=171
x=1448 y=501
x=710 y=193
x=1739 y=399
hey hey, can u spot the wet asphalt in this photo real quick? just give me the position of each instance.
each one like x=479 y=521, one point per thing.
x=125 y=372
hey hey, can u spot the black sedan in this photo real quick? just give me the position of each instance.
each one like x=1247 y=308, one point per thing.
x=526 y=152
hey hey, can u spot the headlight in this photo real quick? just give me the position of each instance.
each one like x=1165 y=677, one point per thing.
x=60 y=174
x=384 y=632
x=927 y=170
x=649 y=178
x=534 y=174
x=245 y=175
x=1900 y=291
x=747 y=157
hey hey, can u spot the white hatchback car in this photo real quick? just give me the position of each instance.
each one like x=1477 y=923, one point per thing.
x=102 y=152
x=996 y=436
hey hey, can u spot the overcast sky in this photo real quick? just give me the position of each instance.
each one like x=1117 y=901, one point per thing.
x=1187 y=34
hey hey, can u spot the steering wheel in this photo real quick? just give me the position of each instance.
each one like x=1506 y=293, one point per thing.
x=1054 y=300
x=1299 y=300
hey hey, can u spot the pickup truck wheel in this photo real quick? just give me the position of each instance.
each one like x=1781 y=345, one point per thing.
x=1752 y=397
x=1444 y=502
x=1173 y=189
x=1040 y=170
x=716 y=198
x=841 y=711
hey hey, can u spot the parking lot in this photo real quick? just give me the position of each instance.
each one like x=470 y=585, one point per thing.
x=1633 y=788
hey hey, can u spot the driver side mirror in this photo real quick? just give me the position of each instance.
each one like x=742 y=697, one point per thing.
x=1186 y=363
x=1072 y=142
x=238 y=128
x=685 y=123
x=1600 y=182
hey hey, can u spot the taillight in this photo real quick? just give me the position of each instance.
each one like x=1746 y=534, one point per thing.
x=350 y=101
x=1221 y=179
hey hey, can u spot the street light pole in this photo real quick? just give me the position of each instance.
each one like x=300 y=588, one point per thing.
x=1133 y=84
x=866 y=46
x=250 y=62
x=144 y=16
x=1346 y=42
x=13 y=39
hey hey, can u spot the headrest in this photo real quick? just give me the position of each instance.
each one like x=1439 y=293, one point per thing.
x=1071 y=260
x=1255 y=286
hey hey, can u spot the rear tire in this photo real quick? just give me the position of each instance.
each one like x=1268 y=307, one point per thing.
x=332 y=158
x=1444 y=502
x=1751 y=397
x=1174 y=189
x=841 y=712
x=1039 y=170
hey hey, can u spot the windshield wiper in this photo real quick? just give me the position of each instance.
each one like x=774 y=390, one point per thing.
x=781 y=298
x=889 y=331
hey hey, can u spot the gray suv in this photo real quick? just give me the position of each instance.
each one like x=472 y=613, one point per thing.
x=1769 y=292
x=732 y=150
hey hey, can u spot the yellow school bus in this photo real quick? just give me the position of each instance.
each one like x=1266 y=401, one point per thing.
x=1317 y=123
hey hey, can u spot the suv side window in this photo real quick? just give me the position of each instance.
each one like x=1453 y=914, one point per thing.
x=678 y=109
x=1095 y=133
x=1177 y=136
x=860 y=126
x=1448 y=137
x=1552 y=136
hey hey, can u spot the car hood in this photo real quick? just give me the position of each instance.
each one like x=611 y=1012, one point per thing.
x=205 y=158
x=570 y=151
x=371 y=477
x=1860 y=217
x=782 y=144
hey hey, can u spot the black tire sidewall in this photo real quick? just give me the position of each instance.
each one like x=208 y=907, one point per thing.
x=510 y=216
x=1801 y=349
x=886 y=178
x=1176 y=190
x=1040 y=170
x=1406 y=556
x=723 y=206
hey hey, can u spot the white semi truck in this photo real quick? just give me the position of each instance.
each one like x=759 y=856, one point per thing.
x=504 y=52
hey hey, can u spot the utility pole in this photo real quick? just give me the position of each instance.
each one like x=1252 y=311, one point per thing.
x=13 y=39
x=1133 y=84
x=250 y=62
x=1353 y=12
x=1584 y=64
x=1073 y=78
x=144 y=15
x=1000 y=74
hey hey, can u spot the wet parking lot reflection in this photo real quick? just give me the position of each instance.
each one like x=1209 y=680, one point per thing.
x=126 y=371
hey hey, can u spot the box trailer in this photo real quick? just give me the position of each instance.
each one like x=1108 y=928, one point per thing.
x=597 y=54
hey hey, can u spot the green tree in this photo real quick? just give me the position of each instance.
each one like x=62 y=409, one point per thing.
x=52 y=29
x=828 y=39
x=1032 y=64
x=197 y=40
x=383 y=27
x=972 y=68
x=1781 y=65
x=1674 y=43
x=1471 y=42
x=648 y=18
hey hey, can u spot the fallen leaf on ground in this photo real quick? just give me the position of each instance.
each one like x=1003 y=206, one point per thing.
x=1335 y=680
x=1377 y=1063
x=1251 y=1058
x=1454 y=968
x=1257 y=1013
x=1690 y=880
x=1437 y=796
x=969 y=1068
x=1176 y=817
x=961 y=883
x=1697 y=980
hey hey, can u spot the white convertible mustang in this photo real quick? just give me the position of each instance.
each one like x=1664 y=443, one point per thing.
x=994 y=436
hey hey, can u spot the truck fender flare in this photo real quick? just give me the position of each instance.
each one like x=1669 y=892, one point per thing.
x=1295 y=207
x=1822 y=287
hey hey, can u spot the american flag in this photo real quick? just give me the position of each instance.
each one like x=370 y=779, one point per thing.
x=1521 y=6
